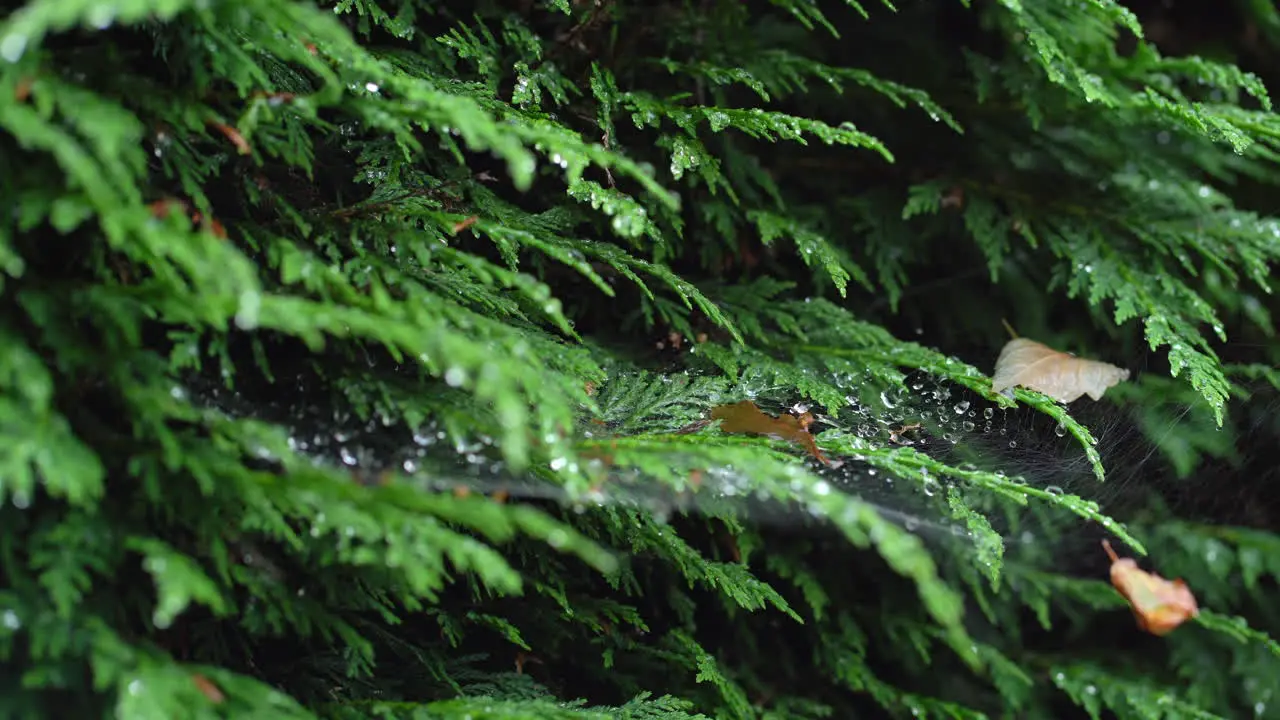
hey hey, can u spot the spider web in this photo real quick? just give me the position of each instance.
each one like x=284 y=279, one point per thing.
x=927 y=414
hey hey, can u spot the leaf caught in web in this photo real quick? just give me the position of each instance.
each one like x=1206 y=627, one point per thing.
x=1158 y=604
x=745 y=417
x=1062 y=376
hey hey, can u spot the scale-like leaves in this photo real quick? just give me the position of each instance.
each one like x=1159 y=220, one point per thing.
x=397 y=338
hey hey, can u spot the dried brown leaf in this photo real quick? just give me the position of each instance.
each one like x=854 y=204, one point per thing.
x=1062 y=376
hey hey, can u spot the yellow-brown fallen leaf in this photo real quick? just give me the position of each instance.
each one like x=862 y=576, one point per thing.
x=233 y=135
x=465 y=223
x=1062 y=376
x=210 y=224
x=208 y=689
x=162 y=208
x=1158 y=604
x=523 y=658
x=745 y=417
x=22 y=90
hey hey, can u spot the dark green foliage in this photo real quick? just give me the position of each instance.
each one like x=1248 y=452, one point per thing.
x=295 y=294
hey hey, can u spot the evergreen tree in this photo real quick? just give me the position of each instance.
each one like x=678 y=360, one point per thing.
x=388 y=358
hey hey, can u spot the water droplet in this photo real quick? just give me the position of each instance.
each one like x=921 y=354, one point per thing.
x=12 y=47
x=102 y=15
x=962 y=407
x=11 y=620
x=930 y=485
x=884 y=398
x=1054 y=490
x=247 y=313
x=1061 y=430
x=988 y=413
x=455 y=376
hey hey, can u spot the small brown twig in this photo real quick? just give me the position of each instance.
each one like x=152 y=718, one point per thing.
x=241 y=145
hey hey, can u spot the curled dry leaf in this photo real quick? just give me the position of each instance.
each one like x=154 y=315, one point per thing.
x=745 y=417
x=1062 y=376
x=1158 y=604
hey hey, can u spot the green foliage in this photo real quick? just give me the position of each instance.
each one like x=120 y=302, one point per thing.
x=370 y=359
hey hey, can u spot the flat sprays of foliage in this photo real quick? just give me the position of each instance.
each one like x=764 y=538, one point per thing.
x=387 y=359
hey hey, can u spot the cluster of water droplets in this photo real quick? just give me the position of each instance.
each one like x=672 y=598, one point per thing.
x=432 y=458
x=961 y=429
x=1260 y=694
